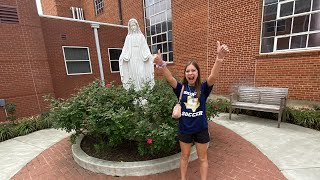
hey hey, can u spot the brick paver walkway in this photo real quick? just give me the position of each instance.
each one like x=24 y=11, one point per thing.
x=230 y=157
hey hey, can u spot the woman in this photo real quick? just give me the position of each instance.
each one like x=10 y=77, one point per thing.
x=193 y=125
x=136 y=61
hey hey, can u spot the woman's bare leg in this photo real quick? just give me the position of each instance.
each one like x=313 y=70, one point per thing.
x=203 y=159
x=184 y=159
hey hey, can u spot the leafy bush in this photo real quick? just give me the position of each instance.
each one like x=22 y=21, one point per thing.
x=214 y=106
x=24 y=127
x=11 y=110
x=6 y=132
x=113 y=115
x=304 y=117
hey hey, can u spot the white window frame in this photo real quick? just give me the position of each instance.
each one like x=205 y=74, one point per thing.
x=113 y=60
x=66 y=61
x=158 y=18
x=291 y=34
x=98 y=6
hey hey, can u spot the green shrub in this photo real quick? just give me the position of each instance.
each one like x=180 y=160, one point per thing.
x=113 y=115
x=6 y=132
x=304 y=117
x=11 y=110
x=214 y=106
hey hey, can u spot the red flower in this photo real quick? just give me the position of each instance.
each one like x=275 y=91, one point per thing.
x=108 y=85
x=149 y=141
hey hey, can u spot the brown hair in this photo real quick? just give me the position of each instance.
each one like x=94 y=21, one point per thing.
x=198 y=81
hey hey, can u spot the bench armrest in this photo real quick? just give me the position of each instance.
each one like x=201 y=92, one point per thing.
x=233 y=97
x=283 y=103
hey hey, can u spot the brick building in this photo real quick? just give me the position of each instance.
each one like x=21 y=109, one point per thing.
x=273 y=43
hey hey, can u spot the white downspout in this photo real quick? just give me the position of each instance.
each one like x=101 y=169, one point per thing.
x=96 y=37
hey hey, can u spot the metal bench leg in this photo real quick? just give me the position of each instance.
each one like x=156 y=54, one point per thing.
x=279 y=119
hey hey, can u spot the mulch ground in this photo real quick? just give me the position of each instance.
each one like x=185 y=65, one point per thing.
x=230 y=157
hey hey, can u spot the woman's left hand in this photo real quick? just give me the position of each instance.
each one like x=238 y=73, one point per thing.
x=222 y=51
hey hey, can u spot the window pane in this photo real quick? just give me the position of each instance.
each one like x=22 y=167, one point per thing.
x=158 y=28
x=170 y=36
x=266 y=2
x=316 y=5
x=114 y=54
x=171 y=56
x=165 y=57
x=169 y=25
x=165 y=47
x=300 y=24
x=270 y=12
x=283 y=43
x=164 y=27
x=76 y=53
x=315 y=22
x=284 y=26
x=302 y=6
x=114 y=65
x=298 y=41
x=286 y=9
x=78 y=67
x=268 y=29
x=154 y=39
x=314 y=40
x=267 y=45
x=170 y=46
x=153 y=30
x=154 y=49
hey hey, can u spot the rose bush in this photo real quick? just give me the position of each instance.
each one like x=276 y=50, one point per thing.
x=113 y=115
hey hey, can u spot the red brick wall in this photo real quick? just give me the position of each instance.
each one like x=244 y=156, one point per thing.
x=79 y=34
x=189 y=27
x=60 y=7
x=24 y=70
x=49 y=7
x=238 y=25
x=110 y=12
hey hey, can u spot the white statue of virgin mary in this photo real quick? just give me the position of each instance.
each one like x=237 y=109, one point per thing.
x=136 y=61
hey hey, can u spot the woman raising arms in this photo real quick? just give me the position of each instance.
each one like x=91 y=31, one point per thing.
x=193 y=125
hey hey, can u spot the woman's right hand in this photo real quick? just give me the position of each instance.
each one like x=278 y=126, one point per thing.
x=157 y=58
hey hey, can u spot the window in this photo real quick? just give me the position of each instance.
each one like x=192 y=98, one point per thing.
x=77 y=60
x=98 y=5
x=158 y=23
x=290 y=25
x=114 y=54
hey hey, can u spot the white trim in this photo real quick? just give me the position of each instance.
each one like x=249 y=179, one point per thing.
x=84 y=21
x=65 y=61
x=113 y=60
x=308 y=32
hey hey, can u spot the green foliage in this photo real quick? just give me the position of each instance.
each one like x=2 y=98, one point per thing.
x=213 y=107
x=304 y=117
x=11 y=110
x=113 y=115
x=316 y=107
x=6 y=132
x=23 y=127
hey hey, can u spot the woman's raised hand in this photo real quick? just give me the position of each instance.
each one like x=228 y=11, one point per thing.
x=157 y=58
x=222 y=51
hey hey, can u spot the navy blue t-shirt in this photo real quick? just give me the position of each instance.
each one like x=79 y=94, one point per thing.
x=193 y=110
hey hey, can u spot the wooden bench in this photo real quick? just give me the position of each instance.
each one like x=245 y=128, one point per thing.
x=267 y=99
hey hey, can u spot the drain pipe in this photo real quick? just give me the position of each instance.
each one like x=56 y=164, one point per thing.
x=120 y=12
x=96 y=37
